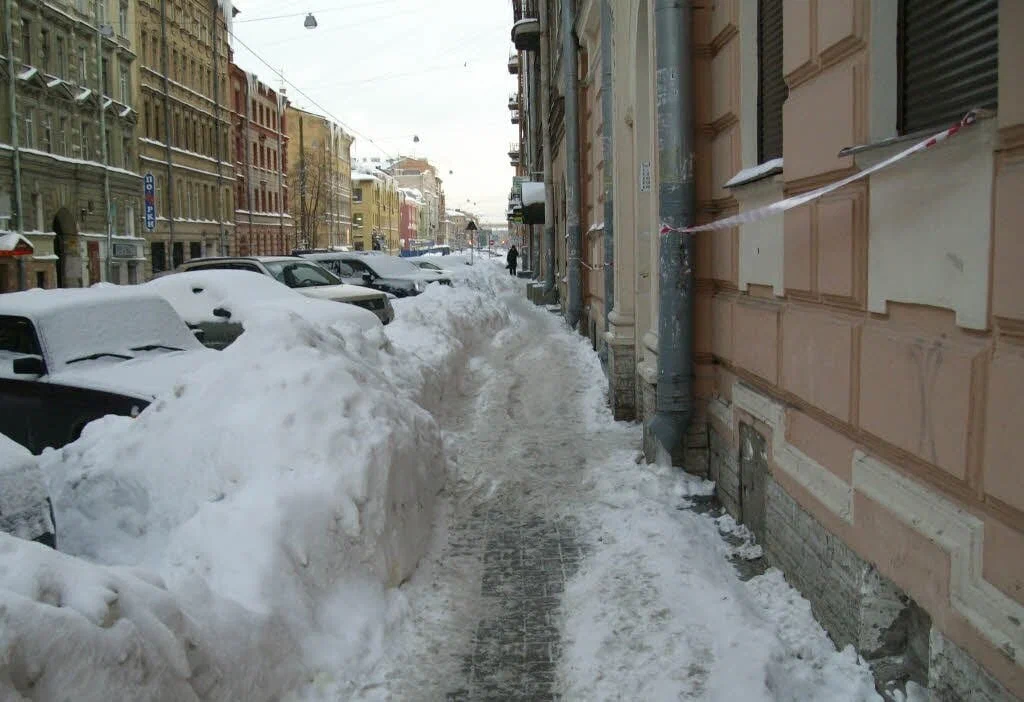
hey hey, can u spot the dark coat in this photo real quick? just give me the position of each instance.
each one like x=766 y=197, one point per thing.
x=513 y=256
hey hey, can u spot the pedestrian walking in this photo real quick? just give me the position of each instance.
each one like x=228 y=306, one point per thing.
x=512 y=259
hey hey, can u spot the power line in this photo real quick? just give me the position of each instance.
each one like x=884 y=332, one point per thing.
x=319 y=12
x=299 y=90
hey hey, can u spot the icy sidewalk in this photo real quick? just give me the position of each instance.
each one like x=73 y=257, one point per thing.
x=568 y=571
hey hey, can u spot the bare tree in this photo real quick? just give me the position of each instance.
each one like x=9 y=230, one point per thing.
x=312 y=181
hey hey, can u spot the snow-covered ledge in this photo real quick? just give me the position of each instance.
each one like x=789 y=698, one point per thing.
x=761 y=259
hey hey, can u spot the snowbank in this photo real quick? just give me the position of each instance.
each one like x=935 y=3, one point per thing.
x=23 y=509
x=658 y=586
x=264 y=510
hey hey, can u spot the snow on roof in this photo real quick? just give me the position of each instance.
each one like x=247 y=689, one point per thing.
x=84 y=95
x=364 y=177
x=10 y=241
x=533 y=193
x=749 y=175
x=28 y=73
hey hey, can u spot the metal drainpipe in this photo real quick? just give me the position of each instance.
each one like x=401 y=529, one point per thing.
x=165 y=60
x=545 y=112
x=104 y=146
x=574 y=308
x=217 y=132
x=673 y=51
x=248 y=160
x=607 y=118
x=12 y=84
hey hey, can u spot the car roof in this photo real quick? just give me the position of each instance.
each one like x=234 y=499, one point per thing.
x=259 y=259
x=37 y=303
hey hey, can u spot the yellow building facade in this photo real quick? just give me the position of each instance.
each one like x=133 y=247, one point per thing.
x=376 y=213
x=185 y=130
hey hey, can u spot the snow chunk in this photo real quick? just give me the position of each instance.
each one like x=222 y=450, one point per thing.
x=749 y=175
x=24 y=512
x=533 y=193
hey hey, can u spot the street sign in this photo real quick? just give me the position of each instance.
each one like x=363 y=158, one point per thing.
x=149 y=190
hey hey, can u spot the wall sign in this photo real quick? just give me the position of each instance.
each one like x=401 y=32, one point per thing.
x=149 y=191
x=645 y=176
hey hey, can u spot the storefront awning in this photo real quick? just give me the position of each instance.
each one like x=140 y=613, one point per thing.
x=12 y=244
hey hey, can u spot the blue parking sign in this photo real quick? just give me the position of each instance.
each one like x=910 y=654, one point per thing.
x=149 y=192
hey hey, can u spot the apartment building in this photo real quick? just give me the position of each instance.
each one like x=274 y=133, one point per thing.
x=185 y=129
x=69 y=182
x=848 y=370
x=263 y=225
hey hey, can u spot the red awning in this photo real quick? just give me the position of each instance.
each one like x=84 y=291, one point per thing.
x=12 y=244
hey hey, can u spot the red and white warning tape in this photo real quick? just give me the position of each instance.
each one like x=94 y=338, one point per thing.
x=802 y=199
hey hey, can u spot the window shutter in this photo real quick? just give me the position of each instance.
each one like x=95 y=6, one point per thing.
x=771 y=86
x=948 y=60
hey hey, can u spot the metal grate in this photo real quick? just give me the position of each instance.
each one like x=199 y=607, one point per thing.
x=771 y=86
x=948 y=60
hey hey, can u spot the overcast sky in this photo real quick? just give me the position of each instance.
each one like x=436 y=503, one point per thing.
x=389 y=70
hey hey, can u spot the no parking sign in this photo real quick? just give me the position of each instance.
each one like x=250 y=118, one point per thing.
x=149 y=192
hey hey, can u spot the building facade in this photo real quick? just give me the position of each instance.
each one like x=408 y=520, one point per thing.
x=411 y=207
x=376 y=212
x=263 y=225
x=419 y=174
x=68 y=170
x=320 y=155
x=186 y=138
x=852 y=377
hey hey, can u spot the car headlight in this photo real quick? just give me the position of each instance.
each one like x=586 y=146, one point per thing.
x=418 y=286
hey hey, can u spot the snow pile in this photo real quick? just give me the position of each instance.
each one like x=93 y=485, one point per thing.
x=23 y=509
x=243 y=535
x=657 y=587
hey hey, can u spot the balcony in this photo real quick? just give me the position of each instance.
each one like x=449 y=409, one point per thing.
x=513 y=64
x=513 y=102
x=526 y=30
x=515 y=117
x=513 y=151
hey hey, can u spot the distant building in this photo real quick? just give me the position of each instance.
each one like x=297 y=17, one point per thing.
x=263 y=225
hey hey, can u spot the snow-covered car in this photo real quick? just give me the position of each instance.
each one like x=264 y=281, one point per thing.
x=305 y=277
x=25 y=508
x=68 y=357
x=430 y=267
x=388 y=274
x=219 y=302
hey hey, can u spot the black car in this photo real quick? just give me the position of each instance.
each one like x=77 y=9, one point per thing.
x=388 y=274
x=68 y=357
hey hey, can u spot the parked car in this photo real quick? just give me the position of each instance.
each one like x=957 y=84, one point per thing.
x=308 y=278
x=219 y=302
x=430 y=267
x=388 y=274
x=68 y=357
x=25 y=508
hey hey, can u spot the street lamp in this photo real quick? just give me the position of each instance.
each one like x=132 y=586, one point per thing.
x=471 y=233
x=310 y=22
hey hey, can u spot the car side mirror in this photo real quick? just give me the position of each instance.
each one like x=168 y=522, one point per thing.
x=29 y=365
x=200 y=334
x=222 y=313
x=368 y=277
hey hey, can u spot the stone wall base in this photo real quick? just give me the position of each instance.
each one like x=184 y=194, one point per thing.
x=621 y=381
x=854 y=603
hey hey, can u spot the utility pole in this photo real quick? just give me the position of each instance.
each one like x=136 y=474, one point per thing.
x=165 y=60
x=216 y=135
x=100 y=75
x=12 y=107
x=302 y=182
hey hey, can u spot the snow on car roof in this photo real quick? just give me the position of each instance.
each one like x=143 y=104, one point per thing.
x=72 y=323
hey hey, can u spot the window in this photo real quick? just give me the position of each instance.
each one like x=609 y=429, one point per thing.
x=30 y=131
x=357 y=220
x=133 y=273
x=44 y=49
x=85 y=139
x=947 y=61
x=158 y=254
x=62 y=58
x=357 y=195
x=115 y=273
x=771 y=86
x=47 y=135
x=41 y=279
x=126 y=96
x=83 y=65
x=122 y=19
x=110 y=146
x=101 y=12
x=195 y=249
x=26 y=41
x=179 y=253
x=126 y=154
x=62 y=137
x=106 y=77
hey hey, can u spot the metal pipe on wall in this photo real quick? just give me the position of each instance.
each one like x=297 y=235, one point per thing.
x=570 y=82
x=673 y=55
x=545 y=114
x=165 y=59
x=12 y=84
x=607 y=119
x=104 y=146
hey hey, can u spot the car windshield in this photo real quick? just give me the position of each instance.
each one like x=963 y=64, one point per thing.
x=301 y=274
x=385 y=266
